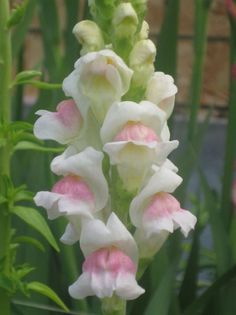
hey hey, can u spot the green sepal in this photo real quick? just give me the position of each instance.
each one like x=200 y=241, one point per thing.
x=33 y=218
x=46 y=291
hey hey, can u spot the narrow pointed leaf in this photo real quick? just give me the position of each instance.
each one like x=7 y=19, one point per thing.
x=37 y=221
x=45 y=290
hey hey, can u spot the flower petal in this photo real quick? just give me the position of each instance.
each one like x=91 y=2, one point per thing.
x=127 y=287
x=121 y=113
x=163 y=180
x=62 y=126
x=95 y=235
x=88 y=165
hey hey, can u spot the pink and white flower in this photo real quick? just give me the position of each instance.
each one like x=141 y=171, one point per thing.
x=156 y=213
x=161 y=91
x=132 y=134
x=110 y=265
x=63 y=126
x=81 y=192
x=99 y=79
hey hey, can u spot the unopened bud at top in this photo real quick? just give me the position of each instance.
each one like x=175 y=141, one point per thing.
x=125 y=20
x=89 y=35
x=144 y=32
x=141 y=60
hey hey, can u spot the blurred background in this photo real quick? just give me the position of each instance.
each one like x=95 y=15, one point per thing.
x=196 y=44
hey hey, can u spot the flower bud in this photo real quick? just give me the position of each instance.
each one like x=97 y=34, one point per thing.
x=125 y=20
x=143 y=34
x=89 y=35
x=141 y=61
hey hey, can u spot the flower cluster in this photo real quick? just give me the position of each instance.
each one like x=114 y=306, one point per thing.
x=119 y=110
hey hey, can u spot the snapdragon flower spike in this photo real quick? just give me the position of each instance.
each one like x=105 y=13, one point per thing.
x=110 y=264
x=161 y=91
x=63 y=126
x=156 y=213
x=79 y=194
x=99 y=79
x=132 y=134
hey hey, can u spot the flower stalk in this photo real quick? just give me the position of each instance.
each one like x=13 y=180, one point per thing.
x=113 y=306
x=5 y=113
x=231 y=132
x=200 y=40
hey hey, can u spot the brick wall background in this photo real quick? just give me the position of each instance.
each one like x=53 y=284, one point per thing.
x=216 y=70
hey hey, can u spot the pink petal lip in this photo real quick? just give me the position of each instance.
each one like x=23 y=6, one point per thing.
x=162 y=205
x=68 y=113
x=110 y=260
x=74 y=187
x=136 y=131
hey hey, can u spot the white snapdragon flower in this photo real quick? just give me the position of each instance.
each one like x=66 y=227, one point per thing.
x=132 y=137
x=81 y=192
x=110 y=265
x=99 y=79
x=63 y=126
x=161 y=91
x=156 y=213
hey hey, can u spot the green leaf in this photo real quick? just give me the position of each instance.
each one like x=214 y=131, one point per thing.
x=45 y=290
x=22 y=194
x=37 y=221
x=17 y=14
x=160 y=301
x=6 y=283
x=27 y=145
x=29 y=240
x=188 y=288
x=22 y=271
x=19 y=33
x=2 y=199
x=26 y=75
x=44 y=307
x=40 y=84
x=21 y=126
x=220 y=237
x=199 y=304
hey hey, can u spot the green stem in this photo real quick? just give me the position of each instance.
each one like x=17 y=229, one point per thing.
x=5 y=113
x=113 y=306
x=230 y=149
x=200 y=39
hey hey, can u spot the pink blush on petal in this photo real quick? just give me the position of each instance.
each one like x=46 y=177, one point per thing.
x=68 y=113
x=110 y=260
x=136 y=132
x=161 y=205
x=74 y=187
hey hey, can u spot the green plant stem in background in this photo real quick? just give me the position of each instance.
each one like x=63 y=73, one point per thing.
x=200 y=39
x=230 y=150
x=5 y=113
x=166 y=59
x=167 y=44
x=194 y=136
